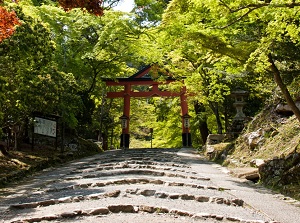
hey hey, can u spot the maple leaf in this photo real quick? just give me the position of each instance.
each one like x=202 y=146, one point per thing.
x=8 y=22
x=92 y=6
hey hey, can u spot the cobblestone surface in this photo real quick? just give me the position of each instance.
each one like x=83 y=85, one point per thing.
x=158 y=185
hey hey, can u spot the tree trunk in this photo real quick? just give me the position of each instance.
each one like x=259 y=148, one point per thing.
x=215 y=108
x=3 y=150
x=226 y=106
x=283 y=88
x=203 y=128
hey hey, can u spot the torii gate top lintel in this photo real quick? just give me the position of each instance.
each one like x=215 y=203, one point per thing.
x=140 y=78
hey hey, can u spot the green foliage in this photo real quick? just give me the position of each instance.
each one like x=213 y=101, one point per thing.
x=167 y=128
x=55 y=61
x=223 y=45
x=24 y=60
x=149 y=12
x=160 y=114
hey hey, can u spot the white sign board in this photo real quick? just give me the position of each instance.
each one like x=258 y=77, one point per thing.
x=124 y=123
x=45 y=127
x=186 y=123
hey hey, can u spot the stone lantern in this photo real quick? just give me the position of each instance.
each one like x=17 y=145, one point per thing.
x=239 y=103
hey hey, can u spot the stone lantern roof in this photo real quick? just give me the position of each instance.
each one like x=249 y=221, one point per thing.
x=239 y=95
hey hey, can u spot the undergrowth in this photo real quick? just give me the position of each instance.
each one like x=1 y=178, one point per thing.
x=26 y=161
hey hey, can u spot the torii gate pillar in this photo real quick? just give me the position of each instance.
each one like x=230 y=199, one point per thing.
x=125 y=136
x=186 y=135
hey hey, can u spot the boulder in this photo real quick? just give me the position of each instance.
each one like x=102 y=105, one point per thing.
x=161 y=195
x=202 y=199
x=70 y=214
x=249 y=173
x=121 y=208
x=146 y=208
x=253 y=177
x=50 y=217
x=174 y=196
x=148 y=193
x=286 y=109
x=99 y=211
x=187 y=197
x=213 y=139
x=209 y=149
x=161 y=210
x=113 y=194
x=255 y=138
x=257 y=162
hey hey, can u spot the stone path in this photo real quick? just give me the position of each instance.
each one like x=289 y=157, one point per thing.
x=158 y=185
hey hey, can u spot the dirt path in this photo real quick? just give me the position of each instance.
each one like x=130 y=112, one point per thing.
x=158 y=185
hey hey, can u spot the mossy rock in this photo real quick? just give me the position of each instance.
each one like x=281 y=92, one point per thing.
x=221 y=150
x=87 y=146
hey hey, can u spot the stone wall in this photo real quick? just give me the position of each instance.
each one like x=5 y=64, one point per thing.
x=279 y=172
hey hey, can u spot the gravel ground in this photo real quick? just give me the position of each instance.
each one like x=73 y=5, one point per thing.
x=158 y=185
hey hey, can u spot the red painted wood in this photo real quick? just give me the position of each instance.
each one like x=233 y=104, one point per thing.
x=184 y=108
x=183 y=102
x=126 y=107
x=145 y=94
x=122 y=82
x=138 y=79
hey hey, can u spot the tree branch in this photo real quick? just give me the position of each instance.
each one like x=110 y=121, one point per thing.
x=252 y=7
x=249 y=6
x=238 y=19
x=110 y=4
x=260 y=5
x=283 y=88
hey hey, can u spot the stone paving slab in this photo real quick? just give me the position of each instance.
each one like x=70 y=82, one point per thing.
x=255 y=196
x=158 y=185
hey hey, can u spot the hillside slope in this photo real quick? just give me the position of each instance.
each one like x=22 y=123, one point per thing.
x=271 y=142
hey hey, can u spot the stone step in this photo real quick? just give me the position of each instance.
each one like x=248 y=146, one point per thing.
x=138 y=184
x=150 y=172
x=128 y=208
x=133 y=191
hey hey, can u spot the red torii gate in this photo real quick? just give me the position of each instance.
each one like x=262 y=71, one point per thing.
x=142 y=78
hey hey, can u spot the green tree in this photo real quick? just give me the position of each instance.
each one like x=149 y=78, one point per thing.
x=249 y=32
x=149 y=13
x=90 y=48
x=23 y=59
